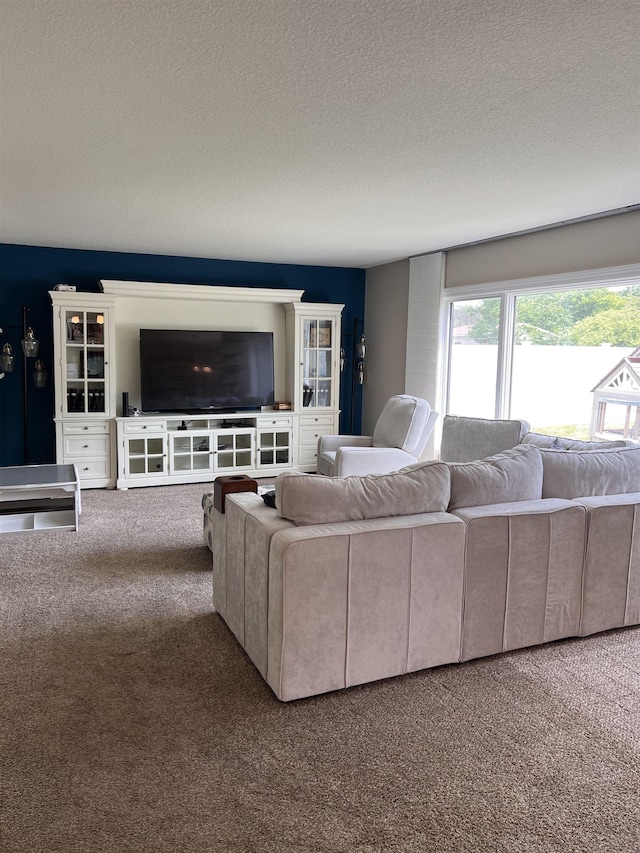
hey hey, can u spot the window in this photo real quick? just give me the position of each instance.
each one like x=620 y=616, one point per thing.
x=544 y=351
x=474 y=357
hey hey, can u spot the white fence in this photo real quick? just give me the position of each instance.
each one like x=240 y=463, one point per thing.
x=551 y=385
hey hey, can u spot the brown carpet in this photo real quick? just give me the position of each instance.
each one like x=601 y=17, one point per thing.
x=133 y=721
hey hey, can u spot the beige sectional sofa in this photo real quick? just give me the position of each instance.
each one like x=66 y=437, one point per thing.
x=357 y=579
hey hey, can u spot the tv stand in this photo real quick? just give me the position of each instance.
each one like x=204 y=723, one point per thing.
x=157 y=450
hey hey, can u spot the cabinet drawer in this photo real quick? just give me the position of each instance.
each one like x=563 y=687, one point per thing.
x=97 y=428
x=311 y=420
x=144 y=426
x=310 y=435
x=86 y=446
x=278 y=421
x=91 y=469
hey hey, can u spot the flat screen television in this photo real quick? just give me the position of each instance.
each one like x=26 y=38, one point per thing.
x=204 y=371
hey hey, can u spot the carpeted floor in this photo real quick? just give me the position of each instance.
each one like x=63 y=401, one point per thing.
x=131 y=720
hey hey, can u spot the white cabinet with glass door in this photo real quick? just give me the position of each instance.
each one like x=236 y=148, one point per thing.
x=233 y=449
x=275 y=442
x=313 y=362
x=84 y=370
x=191 y=452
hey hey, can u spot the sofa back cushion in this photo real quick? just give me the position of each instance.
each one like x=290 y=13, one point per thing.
x=514 y=475
x=540 y=439
x=310 y=499
x=585 y=473
x=575 y=444
x=558 y=443
x=467 y=439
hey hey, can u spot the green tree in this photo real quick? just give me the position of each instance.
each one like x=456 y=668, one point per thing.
x=484 y=321
x=586 y=303
x=552 y=319
x=543 y=318
x=617 y=326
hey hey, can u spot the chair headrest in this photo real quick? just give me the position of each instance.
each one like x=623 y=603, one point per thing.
x=401 y=422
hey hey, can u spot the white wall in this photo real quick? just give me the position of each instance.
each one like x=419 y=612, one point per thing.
x=135 y=313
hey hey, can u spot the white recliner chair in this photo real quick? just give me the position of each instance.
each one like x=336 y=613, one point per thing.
x=399 y=437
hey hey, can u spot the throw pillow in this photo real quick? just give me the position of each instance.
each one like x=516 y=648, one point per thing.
x=513 y=475
x=313 y=499
x=586 y=473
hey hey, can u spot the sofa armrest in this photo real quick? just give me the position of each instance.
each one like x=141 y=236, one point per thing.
x=358 y=461
x=241 y=574
x=329 y=443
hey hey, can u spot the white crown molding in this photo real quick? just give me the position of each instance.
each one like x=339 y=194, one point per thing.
x=199 y=292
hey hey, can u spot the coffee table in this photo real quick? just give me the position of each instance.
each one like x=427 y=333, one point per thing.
x=39 y=497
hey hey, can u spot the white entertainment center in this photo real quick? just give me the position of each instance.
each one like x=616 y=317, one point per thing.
x=96 y=355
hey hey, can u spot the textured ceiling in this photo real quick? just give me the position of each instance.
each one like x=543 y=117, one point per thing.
x=339 y=132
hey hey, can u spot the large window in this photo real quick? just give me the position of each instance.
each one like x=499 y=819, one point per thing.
x=544 y=354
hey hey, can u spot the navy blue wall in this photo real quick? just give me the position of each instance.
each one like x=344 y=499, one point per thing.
x=27 y=273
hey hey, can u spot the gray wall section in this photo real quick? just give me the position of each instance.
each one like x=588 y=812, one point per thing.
x=608 y=242
x=386 y=310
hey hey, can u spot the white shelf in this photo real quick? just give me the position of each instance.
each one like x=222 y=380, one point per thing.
x=49 y=496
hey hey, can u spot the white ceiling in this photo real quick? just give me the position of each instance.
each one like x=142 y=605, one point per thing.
x=334 y=132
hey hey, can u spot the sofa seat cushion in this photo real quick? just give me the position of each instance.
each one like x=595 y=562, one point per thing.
x=585 y=473
x=309 y=499
x=514 y=475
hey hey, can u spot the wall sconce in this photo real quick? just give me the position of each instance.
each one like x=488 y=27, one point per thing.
x=100 y=319
x=30 y=344
x=7 y=359
x=361 y=351
x=40 y=375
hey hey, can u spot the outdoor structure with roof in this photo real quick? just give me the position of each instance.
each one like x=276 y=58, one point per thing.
x=616 y=401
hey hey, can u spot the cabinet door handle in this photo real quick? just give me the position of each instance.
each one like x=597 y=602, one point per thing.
x=85 y=446
x=85 y=427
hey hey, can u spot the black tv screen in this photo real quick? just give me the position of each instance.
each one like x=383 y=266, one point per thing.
x=199 y=371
